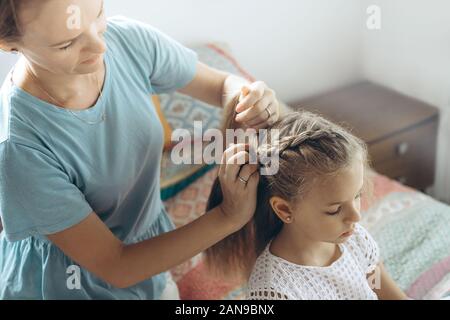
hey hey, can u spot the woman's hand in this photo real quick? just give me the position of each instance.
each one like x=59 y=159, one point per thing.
x=258 y=106
x=239 y=182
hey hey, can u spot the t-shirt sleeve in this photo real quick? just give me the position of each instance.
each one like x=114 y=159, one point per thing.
x=36 y=195
x=366 y=249
x=168 y=65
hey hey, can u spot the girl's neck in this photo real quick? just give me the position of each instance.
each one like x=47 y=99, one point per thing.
x=296 y=247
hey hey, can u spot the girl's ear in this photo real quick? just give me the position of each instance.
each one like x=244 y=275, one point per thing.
x=282 y=209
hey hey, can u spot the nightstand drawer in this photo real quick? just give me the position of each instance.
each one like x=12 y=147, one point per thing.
x=407 y=172
x=408 y=157
x=401 y=131
x=418 y=143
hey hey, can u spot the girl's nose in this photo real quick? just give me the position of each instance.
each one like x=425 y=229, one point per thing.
x=353 y=215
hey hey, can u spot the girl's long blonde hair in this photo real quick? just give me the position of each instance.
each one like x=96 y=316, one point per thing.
x=308 y=146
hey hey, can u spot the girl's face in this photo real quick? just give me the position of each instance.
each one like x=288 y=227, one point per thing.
x=63 y=36
x=328 y=212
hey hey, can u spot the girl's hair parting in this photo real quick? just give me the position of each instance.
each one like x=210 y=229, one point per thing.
x=308 y=147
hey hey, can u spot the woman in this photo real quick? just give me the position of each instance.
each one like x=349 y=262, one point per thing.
x=80 y=154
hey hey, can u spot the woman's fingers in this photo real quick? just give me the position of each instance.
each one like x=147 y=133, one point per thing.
x=256 y=92
x=228 y=153
x=235 y=163
x=258 y=107
x=266 y=123
x=256 y=113
x=239 y=185
x=247 y=171
x=235 y=167
x=252 y=184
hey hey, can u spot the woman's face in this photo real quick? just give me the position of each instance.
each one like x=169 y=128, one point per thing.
x=328 y=212
x=61 y=35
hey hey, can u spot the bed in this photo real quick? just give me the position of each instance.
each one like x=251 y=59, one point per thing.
x=411 y=228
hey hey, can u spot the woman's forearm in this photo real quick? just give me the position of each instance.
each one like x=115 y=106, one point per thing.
x=143 y=260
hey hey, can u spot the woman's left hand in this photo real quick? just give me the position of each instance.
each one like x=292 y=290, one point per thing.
x=258 y=106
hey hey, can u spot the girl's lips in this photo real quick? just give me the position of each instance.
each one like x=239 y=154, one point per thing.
x=348 y=233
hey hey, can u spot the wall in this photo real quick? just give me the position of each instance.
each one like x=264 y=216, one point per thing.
x=411 y=54
x=301 y=48
x=297 y=47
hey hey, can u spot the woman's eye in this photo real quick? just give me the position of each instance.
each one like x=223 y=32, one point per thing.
x=66 y=47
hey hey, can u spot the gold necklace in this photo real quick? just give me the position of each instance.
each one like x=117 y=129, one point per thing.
x=103 y=118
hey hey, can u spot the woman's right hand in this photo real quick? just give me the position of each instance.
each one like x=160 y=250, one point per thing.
x=239 y=183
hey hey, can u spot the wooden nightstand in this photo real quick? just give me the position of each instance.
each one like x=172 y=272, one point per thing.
x=401 y=132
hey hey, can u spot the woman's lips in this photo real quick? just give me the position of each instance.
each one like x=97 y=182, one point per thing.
x=91 y=61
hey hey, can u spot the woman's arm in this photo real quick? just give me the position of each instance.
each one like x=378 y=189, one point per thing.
x=213 y=86
x=384 y=286
x=94 y=247
x=219 y=88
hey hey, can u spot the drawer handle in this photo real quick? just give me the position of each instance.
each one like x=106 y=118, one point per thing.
x=402 y=180
x=402 y=148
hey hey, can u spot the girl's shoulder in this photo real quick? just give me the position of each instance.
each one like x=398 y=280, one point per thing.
x=268 y=280
x=363 y=248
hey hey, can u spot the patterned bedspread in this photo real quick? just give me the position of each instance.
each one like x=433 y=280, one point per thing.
x=412 y=230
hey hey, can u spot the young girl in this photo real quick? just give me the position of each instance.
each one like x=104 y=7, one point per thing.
x=305 y=232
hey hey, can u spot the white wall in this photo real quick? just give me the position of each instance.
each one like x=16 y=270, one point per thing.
x=297 y=47
x=411 y=54
x=302 y=47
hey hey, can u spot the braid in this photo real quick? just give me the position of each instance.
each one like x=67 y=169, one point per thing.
x=297 y=141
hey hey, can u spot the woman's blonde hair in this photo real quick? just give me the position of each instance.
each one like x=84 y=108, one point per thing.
x=308 y=146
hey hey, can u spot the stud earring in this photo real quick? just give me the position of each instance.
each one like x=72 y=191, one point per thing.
x=288 y=219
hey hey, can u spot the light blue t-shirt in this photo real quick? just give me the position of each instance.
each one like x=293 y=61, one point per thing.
x=57 y=167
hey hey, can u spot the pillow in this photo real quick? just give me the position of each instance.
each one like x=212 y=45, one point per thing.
x=166 y=127
x=181 y=111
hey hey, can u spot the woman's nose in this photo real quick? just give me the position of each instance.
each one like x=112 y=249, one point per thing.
x=96 y=42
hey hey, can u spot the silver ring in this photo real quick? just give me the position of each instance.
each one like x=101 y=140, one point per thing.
x=242 y=180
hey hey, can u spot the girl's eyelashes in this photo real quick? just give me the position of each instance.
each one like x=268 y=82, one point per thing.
x=335 y=212
x=339 y=209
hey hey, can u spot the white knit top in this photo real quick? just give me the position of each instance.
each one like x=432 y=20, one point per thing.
x=274 y=278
